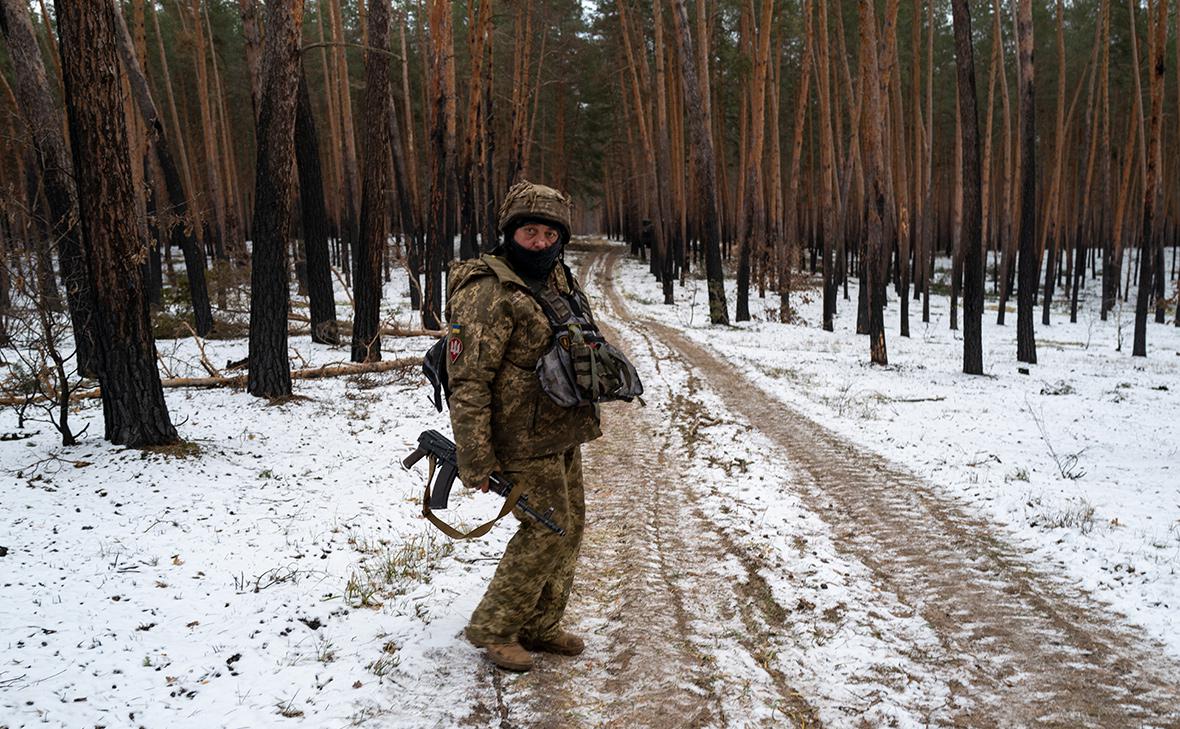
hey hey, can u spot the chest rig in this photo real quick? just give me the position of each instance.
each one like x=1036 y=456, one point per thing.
x=580 y=367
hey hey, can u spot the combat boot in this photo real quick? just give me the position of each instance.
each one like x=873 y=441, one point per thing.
x=509 y=656
x=563 y=643
x=505 y=655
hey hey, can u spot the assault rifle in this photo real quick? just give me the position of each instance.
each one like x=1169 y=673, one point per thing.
x=442 y=451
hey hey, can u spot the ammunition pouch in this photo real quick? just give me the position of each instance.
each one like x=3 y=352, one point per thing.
x=582 y=368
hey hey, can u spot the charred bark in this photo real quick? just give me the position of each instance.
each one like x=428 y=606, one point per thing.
x=45 y=127
x=134 y=410
x=270 y=369
x=321 y=299
x=1029 y=263
x=366 y=335
x=972 y=217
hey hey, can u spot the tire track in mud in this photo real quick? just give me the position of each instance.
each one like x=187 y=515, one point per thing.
x=1020 y=647
x=658 y=586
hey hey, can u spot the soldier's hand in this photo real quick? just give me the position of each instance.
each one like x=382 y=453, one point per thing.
x=483 y=486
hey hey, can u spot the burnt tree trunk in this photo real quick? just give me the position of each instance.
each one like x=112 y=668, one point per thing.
x=699 y=125
x=437 y=243
x=194 y=258
x=1152 y=219
x=44 y=122
x=875 y=254
x=972 y=215
x=478 y=35
x=321 y=298
x=366 y=328
x=270 y=370
x=1026 y=346
x=488 y=150
x=410 y=225
x=134 y=411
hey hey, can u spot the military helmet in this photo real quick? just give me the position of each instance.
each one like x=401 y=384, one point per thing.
x=529 y=201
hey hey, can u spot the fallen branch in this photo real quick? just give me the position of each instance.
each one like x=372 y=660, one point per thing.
x=201 y=346
x=310 y=373
x=344 y=328
x=917 y=399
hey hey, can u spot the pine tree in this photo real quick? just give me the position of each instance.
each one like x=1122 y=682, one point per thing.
x=366 y=333
x=971 y=238
x=44 y=123
x=134 y=411
x=270 y=370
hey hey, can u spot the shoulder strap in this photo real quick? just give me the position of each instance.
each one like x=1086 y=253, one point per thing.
x=577 y=295
x=558 y=308
x=479 y=531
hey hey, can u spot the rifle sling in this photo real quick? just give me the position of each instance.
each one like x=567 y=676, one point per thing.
x=509 y=504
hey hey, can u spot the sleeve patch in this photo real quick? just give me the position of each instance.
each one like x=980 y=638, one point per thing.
x=455 y=343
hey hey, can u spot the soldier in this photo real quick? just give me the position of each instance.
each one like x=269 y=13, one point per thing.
x=504 y=422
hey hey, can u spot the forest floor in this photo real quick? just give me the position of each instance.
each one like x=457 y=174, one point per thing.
x=783 y=536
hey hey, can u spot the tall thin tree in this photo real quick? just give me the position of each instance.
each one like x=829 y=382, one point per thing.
x=972 y=248
x=134 y=410
x=699 y=125
x=437 y=242
x=366 y=327
x=312 y=208
x=1152 y=193
x=270 y=369
x=1026 y=346
x=33 y=100
x=181 y=237
x=877 y=201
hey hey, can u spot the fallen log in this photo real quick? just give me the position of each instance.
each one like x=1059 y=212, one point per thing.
x=310 y=373
x=345 y=329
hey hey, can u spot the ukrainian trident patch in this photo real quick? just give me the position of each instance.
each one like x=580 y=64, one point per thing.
x=455 y=344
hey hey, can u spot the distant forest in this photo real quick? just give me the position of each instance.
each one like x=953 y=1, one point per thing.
x=1032 y=145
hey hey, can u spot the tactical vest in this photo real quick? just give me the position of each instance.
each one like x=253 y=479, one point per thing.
x=580 y=368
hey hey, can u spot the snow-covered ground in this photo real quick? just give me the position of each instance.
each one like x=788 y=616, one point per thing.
x=847 y=646
x=1076 y=460
x=277 y=571
x=278 y=567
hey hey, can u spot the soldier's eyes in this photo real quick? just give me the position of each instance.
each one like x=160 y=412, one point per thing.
x=532 y=232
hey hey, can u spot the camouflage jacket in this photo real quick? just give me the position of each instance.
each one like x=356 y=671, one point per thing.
x=497 y=333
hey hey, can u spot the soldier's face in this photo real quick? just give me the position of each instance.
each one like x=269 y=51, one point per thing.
x=536 y=236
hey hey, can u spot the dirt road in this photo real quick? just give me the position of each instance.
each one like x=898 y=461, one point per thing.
x=684 y=631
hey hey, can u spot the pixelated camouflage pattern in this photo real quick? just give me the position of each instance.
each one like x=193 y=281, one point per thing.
x=529 y=200
x=529 y=592
x=499 y=412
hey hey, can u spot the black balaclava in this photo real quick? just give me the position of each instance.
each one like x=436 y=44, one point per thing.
x=532 y=266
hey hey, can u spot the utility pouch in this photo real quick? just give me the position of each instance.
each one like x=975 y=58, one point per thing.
x=582 y=368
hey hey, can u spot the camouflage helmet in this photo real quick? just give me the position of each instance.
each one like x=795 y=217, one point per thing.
x=529 y=201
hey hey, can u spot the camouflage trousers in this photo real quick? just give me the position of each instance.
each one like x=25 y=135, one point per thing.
x=529 y=592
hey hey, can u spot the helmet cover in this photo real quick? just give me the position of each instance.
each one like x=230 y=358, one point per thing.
x=529 y=201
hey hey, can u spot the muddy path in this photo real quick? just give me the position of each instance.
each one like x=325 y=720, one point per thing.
x=679 y=619
x=658 y=589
